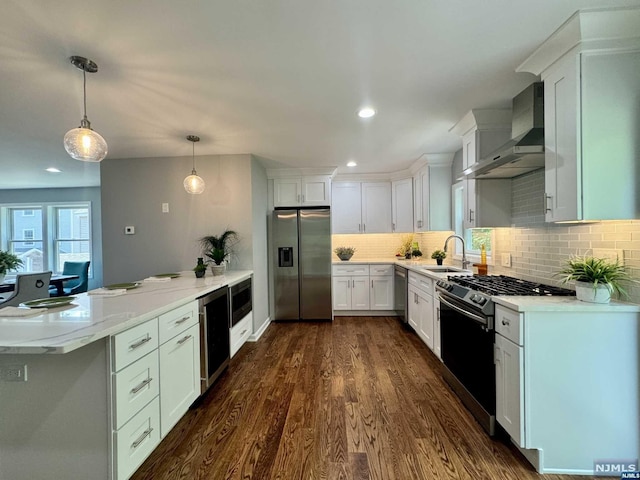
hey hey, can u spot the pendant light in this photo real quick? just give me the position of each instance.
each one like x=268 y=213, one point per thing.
x=84 y=143
x=193 y=183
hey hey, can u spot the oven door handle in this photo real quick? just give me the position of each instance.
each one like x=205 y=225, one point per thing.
x=473 y=316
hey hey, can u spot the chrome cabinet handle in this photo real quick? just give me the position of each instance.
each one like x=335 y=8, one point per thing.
x=471 y=215
x=184 y=339
x=139 y=343
x=547 y=198
x=506 y=322
x=182 y=320
x=243 y=332
x=371 y=283
x=303 y=198
x=141 y=438
x=298 y=198
x=141 y=385
x=359 y=227
x=364 y=228
x=393 y=227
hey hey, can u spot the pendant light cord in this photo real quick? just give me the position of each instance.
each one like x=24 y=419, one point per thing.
x=84 y=89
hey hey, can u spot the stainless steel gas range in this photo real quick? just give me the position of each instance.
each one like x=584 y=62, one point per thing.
x=467 y=335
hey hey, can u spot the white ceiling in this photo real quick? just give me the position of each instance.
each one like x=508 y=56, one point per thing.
x=281 y=79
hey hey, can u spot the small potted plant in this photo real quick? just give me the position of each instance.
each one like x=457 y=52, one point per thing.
x=438 y=256
x=595 y=278
x=201 y=268
x=406 y=247
x=8 y=261
x=218 y=248
x=344 y=253
x=416 y=253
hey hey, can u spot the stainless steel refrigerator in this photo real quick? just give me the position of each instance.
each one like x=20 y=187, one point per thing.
x=302 y=264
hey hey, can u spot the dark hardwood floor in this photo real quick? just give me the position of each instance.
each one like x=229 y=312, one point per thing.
x=359 y=398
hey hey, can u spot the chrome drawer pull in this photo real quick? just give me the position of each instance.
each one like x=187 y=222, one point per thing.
x=182 y=340
x=139 y=343
x=140 y=386
x=506 y=322
x=141 y=438
x=243 y=332
x=182 y=320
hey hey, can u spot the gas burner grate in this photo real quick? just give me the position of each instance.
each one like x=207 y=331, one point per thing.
x=504 y=285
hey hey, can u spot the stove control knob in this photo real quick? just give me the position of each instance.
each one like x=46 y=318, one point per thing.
x=481 y=300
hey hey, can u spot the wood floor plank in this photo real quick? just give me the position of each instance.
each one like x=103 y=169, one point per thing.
x=356 y=399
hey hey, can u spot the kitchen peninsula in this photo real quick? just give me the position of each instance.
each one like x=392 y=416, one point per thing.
x=93 y=403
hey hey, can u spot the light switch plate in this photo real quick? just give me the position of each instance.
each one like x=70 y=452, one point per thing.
x=129 y=230
x=165 y=208
x=506 y=260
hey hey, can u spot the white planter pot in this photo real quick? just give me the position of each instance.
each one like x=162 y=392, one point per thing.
x=586 y=292
x=218 y=270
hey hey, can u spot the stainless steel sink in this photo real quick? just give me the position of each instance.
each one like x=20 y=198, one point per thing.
x=442 y=269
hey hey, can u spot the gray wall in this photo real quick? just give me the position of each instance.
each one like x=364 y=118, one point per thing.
x=260 y=249
x=456 y=166
x=59 y=195
x=133 y=191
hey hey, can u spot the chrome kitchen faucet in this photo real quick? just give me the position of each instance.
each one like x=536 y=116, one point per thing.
x=465 y=262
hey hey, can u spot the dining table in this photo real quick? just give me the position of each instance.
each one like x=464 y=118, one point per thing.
x=56 y=280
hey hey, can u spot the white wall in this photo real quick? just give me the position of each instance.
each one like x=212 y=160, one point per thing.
x=260 y=257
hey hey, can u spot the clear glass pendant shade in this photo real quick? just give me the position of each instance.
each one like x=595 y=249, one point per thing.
x=85 y=144
x=194 y=184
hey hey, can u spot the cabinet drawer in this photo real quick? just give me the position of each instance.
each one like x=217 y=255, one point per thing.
x=134 y=387
x=380 y=269
x=509 y=324
x=350 y=270
x=420 y=281
x=240 y=332
x=135 y=343
x=134 y=442
x=176 y=321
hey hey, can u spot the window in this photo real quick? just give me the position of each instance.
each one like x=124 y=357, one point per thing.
x=473 y=237
x=45 y=236
x=28 y=235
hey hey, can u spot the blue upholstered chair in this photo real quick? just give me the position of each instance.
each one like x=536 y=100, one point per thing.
x=80 y=285
x=29 y=286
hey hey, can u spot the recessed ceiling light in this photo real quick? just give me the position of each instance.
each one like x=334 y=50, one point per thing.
x=53 y=170
x=352 y=164
x=366 y=112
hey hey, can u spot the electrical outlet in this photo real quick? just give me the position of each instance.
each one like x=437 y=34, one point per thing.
x=13 y=373
x=129 y=230
x=165 y=208
x=506 y=260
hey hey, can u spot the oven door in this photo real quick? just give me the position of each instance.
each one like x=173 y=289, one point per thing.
x=467 y=351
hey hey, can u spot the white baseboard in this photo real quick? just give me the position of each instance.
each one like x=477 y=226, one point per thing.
x=254 y=337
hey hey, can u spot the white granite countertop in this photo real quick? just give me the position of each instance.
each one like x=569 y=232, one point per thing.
x=561 y=304
x=92 y=317
x=518 y=303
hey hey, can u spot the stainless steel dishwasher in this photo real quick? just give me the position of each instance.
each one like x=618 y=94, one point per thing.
x=400 y=293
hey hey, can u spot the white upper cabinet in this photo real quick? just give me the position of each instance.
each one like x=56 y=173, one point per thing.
x=361 y=207
x=432 y=199
x=346 y=209
x=305 y=191
x=487 y=203
x=376 y=207
x=402 y=205
x=591 y=73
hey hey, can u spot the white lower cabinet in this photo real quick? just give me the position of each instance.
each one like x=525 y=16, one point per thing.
x=421 y=309
x=133 y=443
x=509 y=387
x=155 y=377
x=240 y=332
x=179 y=376
x=363 y=287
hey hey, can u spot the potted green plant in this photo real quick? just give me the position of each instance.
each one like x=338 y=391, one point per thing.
x=8 y=261
x=406 y=246
x=595 y=278
x=438 y=256
x=344 y=253
x=416 y=253
x=218 y=248
x=201 y=268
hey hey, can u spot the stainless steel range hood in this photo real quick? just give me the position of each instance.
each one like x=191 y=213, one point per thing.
x=525 y=152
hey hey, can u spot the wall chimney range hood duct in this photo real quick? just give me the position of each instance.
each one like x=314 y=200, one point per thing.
x=525 y=151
